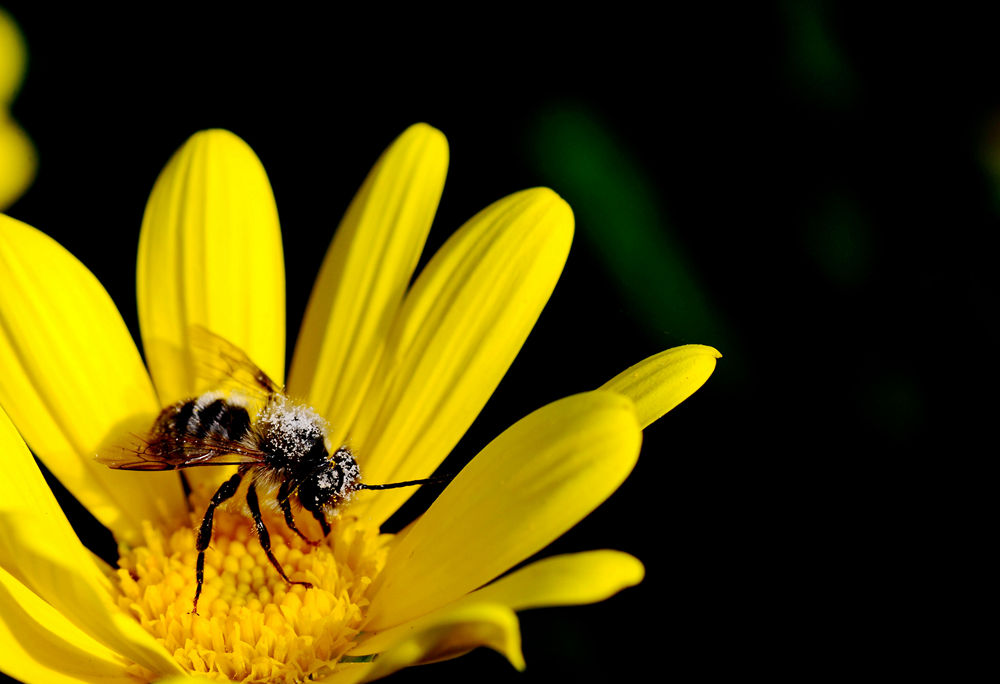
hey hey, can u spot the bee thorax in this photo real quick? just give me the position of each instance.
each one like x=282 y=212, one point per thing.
x=292 y=432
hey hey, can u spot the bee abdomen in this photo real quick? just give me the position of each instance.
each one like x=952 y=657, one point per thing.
x=207 y=417
x=210 y=420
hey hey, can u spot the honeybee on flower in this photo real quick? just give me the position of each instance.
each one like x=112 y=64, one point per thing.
x=397 y=370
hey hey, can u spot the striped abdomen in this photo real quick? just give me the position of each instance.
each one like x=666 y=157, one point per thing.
x=208 y=417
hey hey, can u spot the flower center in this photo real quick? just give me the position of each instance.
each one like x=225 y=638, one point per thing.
x=251 y=626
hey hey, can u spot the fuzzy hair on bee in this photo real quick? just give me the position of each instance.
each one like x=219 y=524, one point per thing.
x=279 y=445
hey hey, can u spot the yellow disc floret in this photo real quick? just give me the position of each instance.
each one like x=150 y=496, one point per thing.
x=251 y=626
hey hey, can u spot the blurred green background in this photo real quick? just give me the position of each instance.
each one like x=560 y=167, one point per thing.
x=810 y=187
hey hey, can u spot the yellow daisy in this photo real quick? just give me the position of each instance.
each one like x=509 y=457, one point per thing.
x=399 y=371
x=17 y=154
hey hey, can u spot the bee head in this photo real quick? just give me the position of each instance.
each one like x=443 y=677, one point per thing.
x=332 y=483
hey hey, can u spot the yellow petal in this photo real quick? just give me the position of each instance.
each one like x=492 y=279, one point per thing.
x=527 y=487
x=12 y=58
x=459 y=330
x=450 y=634
x=365 y=274
x=347 y=673
x=570 y=579
x=18 y=161
x=659 y=383
x=17 y=155
x=73 y=380
x=210 y=254
x=39 y=550
x=566 y=580
x=41 y=645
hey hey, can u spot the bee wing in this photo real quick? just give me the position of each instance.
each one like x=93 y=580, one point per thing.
x=174 y=452
x=223 y=365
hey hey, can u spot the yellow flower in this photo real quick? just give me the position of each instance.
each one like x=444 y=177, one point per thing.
x=400 y=372
x=17 y=154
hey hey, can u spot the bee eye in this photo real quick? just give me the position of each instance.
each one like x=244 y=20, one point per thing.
x=322 y=488
x=351 y=474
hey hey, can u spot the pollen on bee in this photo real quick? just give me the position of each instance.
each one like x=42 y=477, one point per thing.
x=291 y=427
x=251 y=626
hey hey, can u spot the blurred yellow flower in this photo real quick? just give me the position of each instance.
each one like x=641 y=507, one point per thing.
x=400 y=372
x=17 y=154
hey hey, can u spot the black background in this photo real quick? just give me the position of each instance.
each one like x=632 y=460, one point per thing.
x=777 y=509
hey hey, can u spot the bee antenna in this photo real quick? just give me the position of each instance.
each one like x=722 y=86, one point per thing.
x=408 y=483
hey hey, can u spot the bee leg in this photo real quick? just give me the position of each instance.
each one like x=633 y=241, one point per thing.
x=286 y=507
x=225 y=491
x=264 y=537
x=321 y=519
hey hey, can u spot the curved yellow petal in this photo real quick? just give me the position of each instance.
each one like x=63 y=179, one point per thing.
x=13 y=54
x=73 y=380
x=566 y=580
x=39 y=550
x=41 y=645
x=18 y=159
x=365 y=274
x=662 y=381
x=449 y=634
x=210 y=255
x=527 y=487
x=459 y=330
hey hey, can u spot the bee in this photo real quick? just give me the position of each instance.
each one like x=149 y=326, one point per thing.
x=274 y=440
